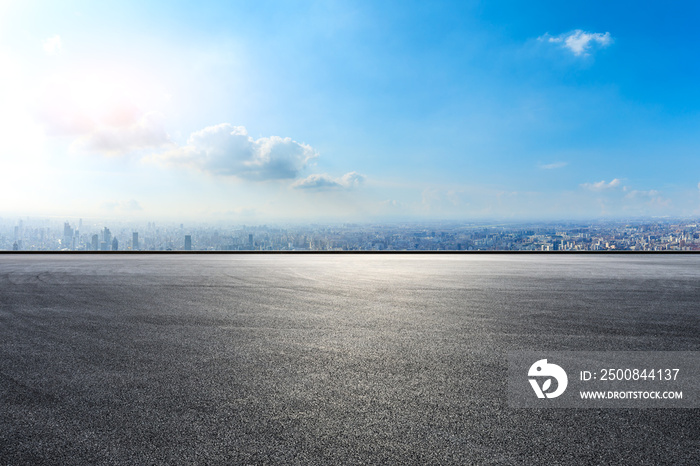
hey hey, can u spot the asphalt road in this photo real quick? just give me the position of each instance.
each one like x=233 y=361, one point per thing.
x=328 y=359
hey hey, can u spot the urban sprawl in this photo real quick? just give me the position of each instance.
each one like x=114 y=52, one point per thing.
x=30 y=234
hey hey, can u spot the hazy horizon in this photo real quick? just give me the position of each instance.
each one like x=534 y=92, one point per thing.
x=10 y=218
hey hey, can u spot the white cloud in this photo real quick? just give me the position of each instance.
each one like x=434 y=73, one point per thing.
x=352 y=179
x=602 y=185
x=53 y=45
x=228 y=150
x=580 y=42
x=324 y=181
x=552 y=166
x=317 y=181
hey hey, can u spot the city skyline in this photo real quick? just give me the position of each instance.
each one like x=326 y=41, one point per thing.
x=637 y=235
x=272 y=112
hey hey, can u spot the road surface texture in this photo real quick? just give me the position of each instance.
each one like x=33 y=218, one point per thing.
x=328 y=359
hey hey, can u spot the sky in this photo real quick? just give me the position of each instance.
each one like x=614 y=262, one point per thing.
x=333 y=111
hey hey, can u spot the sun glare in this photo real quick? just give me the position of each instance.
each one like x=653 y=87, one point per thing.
x=88 y=100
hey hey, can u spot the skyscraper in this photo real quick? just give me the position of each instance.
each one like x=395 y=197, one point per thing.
x=135 y=241
x=67 y=236
x=95 y=242
x=188 y=242
x=107 y=236
x=115 y=245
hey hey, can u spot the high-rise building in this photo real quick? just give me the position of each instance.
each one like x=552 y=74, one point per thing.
x=135 y=241
x=115 y=245
x=188 y=242
x=95 y=242
x=67 y=236
x=107 y=236
x=250 y=240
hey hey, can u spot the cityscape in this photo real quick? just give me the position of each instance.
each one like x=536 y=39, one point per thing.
x=33 y=234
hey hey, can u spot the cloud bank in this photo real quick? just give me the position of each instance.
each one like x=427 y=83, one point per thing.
x=227 y=150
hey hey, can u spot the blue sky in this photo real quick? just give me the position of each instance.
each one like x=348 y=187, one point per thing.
x=278 y=111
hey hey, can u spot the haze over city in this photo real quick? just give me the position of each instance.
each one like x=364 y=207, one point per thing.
x=51 y=235
x=253 y=112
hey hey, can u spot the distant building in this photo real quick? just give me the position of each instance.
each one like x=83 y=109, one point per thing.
x=188 y=242
x=95 y=242
x=67 y=236
x=15 y=247
x=104 y=246
x=135 y=241
x=115 y=245
x=250 y=240
x=107 y=236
